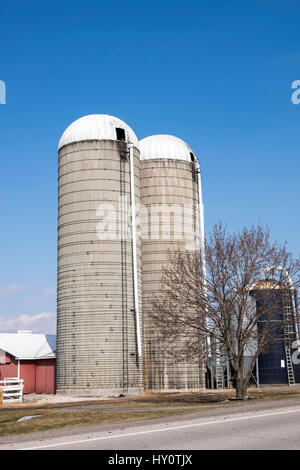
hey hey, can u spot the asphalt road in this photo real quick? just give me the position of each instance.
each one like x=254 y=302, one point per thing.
x=273 y=426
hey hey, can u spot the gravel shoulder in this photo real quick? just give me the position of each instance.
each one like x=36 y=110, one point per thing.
x=64 y=419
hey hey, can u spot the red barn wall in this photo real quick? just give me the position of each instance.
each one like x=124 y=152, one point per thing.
x=10 y=368
x=27 y=373
x=45 y=376
x=38 y=376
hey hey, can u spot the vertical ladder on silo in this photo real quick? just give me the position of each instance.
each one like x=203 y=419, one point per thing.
x=123 y=235
x=219 y=376
x=289 y=365
x=219 y=368
x=289 y=332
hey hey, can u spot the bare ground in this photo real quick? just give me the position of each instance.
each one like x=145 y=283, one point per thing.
x=56 y=412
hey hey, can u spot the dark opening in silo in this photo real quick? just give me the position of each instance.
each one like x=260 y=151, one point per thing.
x=120 y=133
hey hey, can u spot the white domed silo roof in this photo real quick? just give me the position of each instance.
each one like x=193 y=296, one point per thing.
x=96 y=127
x=165 y=146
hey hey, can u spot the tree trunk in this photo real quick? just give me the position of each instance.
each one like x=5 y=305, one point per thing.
x=240 y=387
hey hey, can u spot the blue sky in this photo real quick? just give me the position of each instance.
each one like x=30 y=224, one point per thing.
x=216 y=74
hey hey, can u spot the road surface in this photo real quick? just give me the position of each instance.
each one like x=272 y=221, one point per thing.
x=271 y=425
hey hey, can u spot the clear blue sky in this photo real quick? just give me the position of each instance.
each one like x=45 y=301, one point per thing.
x=216 y=74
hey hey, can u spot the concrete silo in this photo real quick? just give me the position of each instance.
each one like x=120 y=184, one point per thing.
x=99 y=261
x=170 y=182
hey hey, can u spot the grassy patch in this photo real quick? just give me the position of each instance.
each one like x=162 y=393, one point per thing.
x=57 y=419
x=86 y=413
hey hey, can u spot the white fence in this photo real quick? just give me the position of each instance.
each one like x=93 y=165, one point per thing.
x=12 y=389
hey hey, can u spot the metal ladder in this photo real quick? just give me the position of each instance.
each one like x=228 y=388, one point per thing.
x=219 y=369
x=289 y=365
x=219 y=376
x=289 y=332
x=123 y=236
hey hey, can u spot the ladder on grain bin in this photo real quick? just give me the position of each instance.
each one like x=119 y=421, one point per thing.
x=219 y=374
x=219 y=368
x=289 y=331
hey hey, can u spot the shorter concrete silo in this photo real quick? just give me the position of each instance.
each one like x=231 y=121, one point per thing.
x=170 y=197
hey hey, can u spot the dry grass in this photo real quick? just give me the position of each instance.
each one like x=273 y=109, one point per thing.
x=56 y=419
x=151 y=405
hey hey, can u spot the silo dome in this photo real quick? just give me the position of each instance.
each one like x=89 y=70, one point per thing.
x=96 y=127
x=165 y=146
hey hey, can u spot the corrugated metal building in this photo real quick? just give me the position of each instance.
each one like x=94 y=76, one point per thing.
x=279 y=364
x=30 y=357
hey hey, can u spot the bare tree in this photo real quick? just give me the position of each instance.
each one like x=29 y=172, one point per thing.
x=235 y=302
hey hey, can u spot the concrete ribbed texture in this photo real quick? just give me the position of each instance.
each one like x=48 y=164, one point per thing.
x=96 y=336
x=166 y=182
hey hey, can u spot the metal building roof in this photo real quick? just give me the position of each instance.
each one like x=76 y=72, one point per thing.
x=27 y=345
x=165 y=146
x=96 y=127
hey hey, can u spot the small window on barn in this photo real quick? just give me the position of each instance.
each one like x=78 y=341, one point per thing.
x=120 y=133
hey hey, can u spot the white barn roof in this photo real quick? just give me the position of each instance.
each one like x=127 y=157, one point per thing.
x=26 y=345
x=165 y=146
x=96 y=127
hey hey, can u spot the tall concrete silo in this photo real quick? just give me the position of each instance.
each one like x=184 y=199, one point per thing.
x=171 y=194
x=99 y=259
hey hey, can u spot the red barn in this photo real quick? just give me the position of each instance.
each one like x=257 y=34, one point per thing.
x=30 y=357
